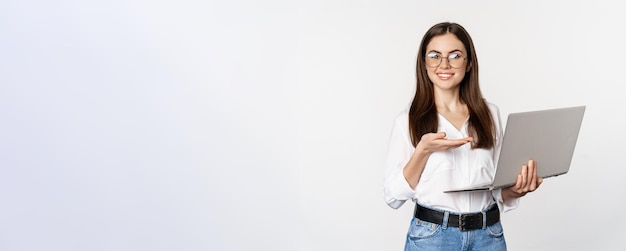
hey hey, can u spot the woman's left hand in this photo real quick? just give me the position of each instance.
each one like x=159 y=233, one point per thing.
x=527 y=181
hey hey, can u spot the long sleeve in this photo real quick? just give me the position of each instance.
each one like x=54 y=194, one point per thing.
x=504 y=206
x=396 y=188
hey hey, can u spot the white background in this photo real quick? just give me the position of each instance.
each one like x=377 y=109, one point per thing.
x=263 y=125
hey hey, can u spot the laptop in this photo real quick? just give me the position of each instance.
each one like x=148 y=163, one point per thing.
x=547 y=136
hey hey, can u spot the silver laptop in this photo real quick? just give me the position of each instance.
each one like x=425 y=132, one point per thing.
x=547 y=136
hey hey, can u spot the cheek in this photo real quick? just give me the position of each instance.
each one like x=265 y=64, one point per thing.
x=431 y=74
x=460 y=75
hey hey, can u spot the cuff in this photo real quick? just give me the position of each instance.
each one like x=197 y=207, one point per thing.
x=504 y=206
x=398 y=191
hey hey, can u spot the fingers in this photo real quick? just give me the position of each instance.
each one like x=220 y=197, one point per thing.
x=438 y=141
x=518 y=187
x=440 y=135
x=528 y=180
x=533 y=175
x=518 y=184
x=433 y=136
x=524 y=173
x=456 y=142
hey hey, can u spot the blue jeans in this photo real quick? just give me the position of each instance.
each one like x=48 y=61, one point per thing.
x=424 y=235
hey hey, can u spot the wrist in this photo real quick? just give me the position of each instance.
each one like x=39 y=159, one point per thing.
x=419 y=149
x=508 y=193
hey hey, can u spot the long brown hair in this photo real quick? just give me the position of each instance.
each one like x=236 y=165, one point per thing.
x=423 y=113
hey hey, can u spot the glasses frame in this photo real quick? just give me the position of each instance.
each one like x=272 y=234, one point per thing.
x=441 y=60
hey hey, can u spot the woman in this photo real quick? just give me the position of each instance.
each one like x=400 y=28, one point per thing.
x=450 y=137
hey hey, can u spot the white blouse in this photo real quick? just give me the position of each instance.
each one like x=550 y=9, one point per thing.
x=444 y=170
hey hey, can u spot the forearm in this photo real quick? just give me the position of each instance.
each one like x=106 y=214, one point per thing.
x=413 y=169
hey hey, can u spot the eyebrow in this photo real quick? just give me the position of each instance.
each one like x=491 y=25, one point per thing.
x=455 y=50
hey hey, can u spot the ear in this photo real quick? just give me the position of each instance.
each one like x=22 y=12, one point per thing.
x=469 y=66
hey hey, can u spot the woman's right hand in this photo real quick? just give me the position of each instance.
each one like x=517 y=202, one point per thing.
x=429 y=143
x=432 y=142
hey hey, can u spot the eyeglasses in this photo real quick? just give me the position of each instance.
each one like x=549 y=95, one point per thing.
x=455 y=60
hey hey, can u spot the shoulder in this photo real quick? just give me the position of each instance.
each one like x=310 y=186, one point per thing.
x=402 y=117
x=401 y=122
x=400 y=127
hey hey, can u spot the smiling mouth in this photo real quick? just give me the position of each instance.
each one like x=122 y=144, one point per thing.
x=444 y=76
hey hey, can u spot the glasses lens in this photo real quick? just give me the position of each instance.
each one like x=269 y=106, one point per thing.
x=433 y=59
x=456 y=60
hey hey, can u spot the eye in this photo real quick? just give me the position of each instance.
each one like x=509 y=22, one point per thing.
x=433 y=55
x=454 y=56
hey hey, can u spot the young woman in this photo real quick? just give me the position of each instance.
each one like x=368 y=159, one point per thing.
x=448 y=138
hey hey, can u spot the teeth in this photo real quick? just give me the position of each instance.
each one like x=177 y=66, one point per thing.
x=445 y=75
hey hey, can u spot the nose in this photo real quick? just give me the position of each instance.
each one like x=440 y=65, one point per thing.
x=445 y=63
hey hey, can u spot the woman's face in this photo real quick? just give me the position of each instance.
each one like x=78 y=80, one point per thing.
x=446 y=61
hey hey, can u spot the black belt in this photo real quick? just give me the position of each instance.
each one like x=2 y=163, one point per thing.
x=464 y=222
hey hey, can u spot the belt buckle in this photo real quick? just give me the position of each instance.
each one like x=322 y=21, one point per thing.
x=464 y=222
